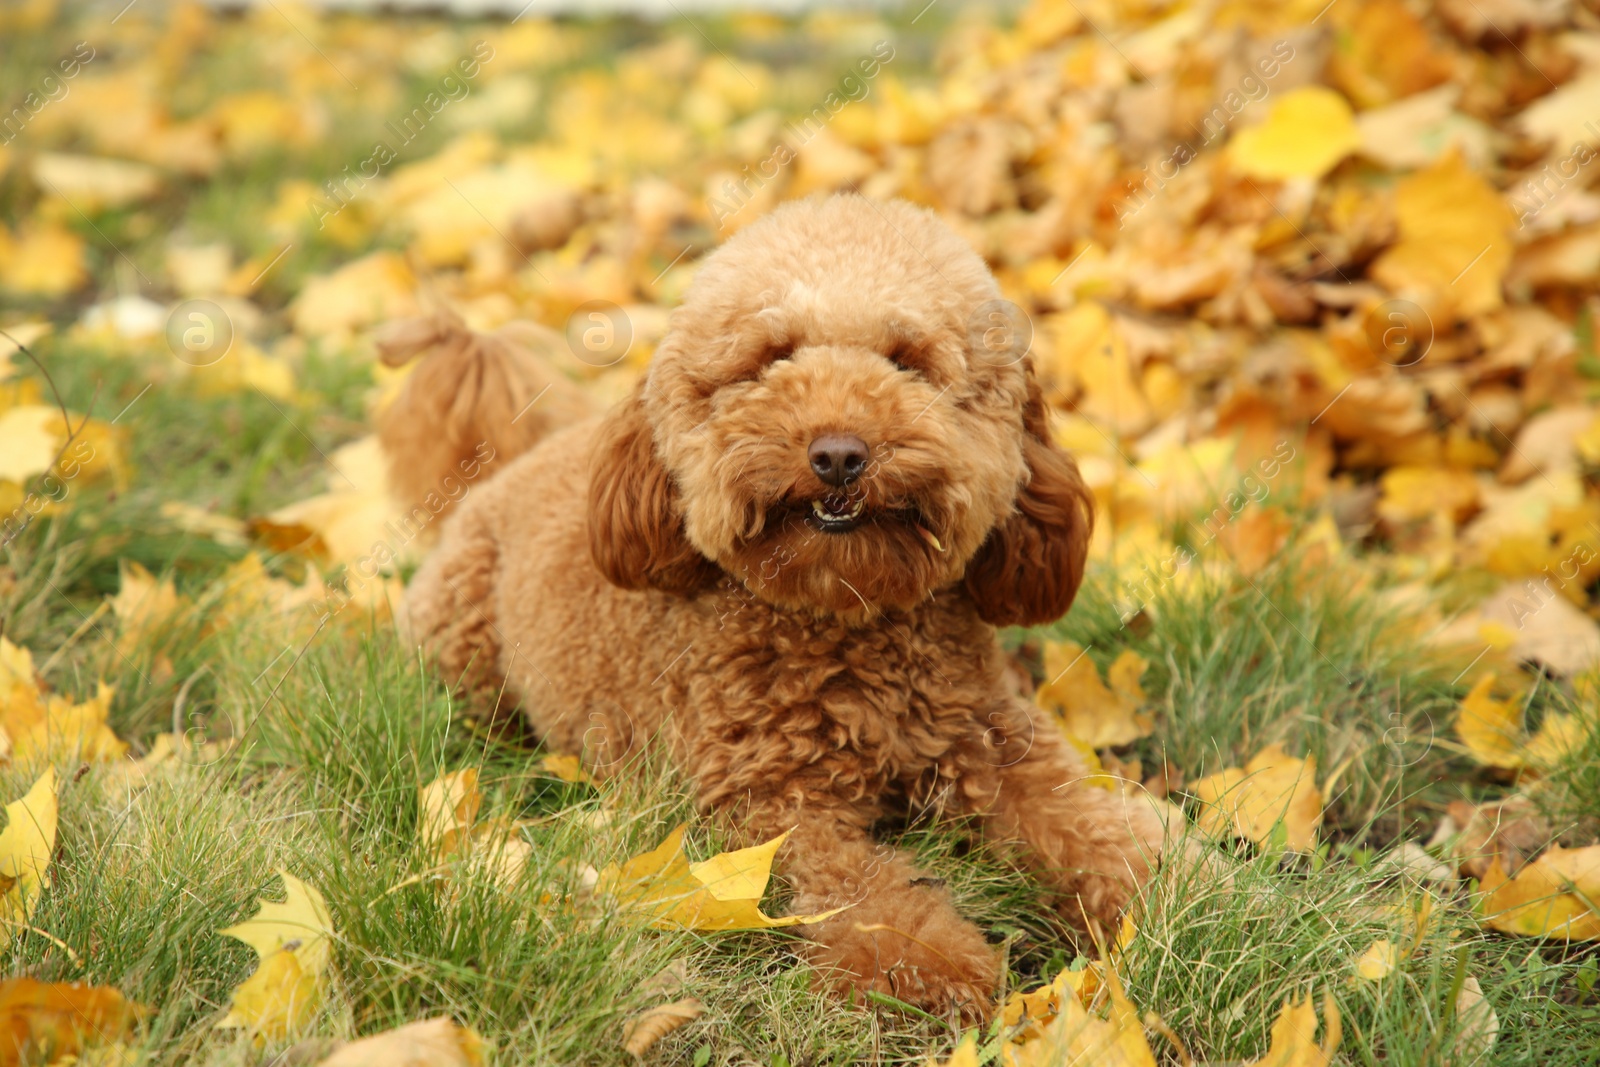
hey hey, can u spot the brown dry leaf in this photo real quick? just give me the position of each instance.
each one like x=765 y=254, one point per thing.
x=1557 y=895
x=1256 y=538
x=1545 y=628
x=1273 y=789
x=645 y=1029
x=55 y=1022
x=439 y=1042
x=1480 y=1026
x=1089 y=711
x=1508 y=833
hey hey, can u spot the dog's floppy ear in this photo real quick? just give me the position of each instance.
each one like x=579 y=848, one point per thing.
x=1029 y=569
x=635 y=533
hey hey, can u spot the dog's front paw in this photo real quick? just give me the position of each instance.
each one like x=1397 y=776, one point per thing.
x=911 y=944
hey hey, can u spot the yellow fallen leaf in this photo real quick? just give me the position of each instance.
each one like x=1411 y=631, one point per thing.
x=26 y=845
x=1294 y=1035
x=430 y=1043
x=355 y=521
x=1479 y=1025
x=965 y=1054
x=1273 y=788
x=1455 y=238
x=1079 y=1038
x=1557 y=895
x=1410 y=494
x=1088 y=710
x=722 y=893
x=53 y=1022
x=449 y=807
x=143 y=605
x=359 y=294
x=93 y=183
x=1306 y=133
x=43 y=259
x=645 y=1029
x=294 y=941
x=1378 y=961
x=30 y=437
x=1493 y=731
x=450 y=828
x=566 y=768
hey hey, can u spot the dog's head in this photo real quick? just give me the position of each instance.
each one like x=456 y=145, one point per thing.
x=840 y=418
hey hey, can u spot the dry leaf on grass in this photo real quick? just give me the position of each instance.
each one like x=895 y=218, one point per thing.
x=51 y=1022
x=430 y=1043
x=449 y=828
x=26 y=845
x=1088 y=710
x=1273 y=789
x=651 y=1025
x=1493 y=732
x=294 y=941
x=721 y=893
x=1557 y=895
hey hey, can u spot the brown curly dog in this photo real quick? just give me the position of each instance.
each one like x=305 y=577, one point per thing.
x=783 y=557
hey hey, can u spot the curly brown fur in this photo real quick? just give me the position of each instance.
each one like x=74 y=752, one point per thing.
x=474 y=394
x=660 y=577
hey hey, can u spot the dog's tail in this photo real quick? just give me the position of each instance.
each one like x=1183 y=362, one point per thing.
x=475 y=398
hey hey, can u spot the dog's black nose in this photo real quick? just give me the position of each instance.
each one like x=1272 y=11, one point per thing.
x=838 y=458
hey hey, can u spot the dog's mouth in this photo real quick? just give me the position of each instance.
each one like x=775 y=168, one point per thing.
x=842 y=513
x=837 y=514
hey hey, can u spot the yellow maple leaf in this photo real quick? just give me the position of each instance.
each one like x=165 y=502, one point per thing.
x=1557 y=895
x=1273 y=788
x=26 y=845
x=721 y=893
x=1455 y=238
x=355 y=521
x=1493 y=731
x=1087 y=709
x=439 y=1042
x=566 y=768
x=1294 y=1035
x=294 y=941
x=1077 y=1036
x=449 y=827
x=44 y=259
x=1306 y=133
x=143 y=605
